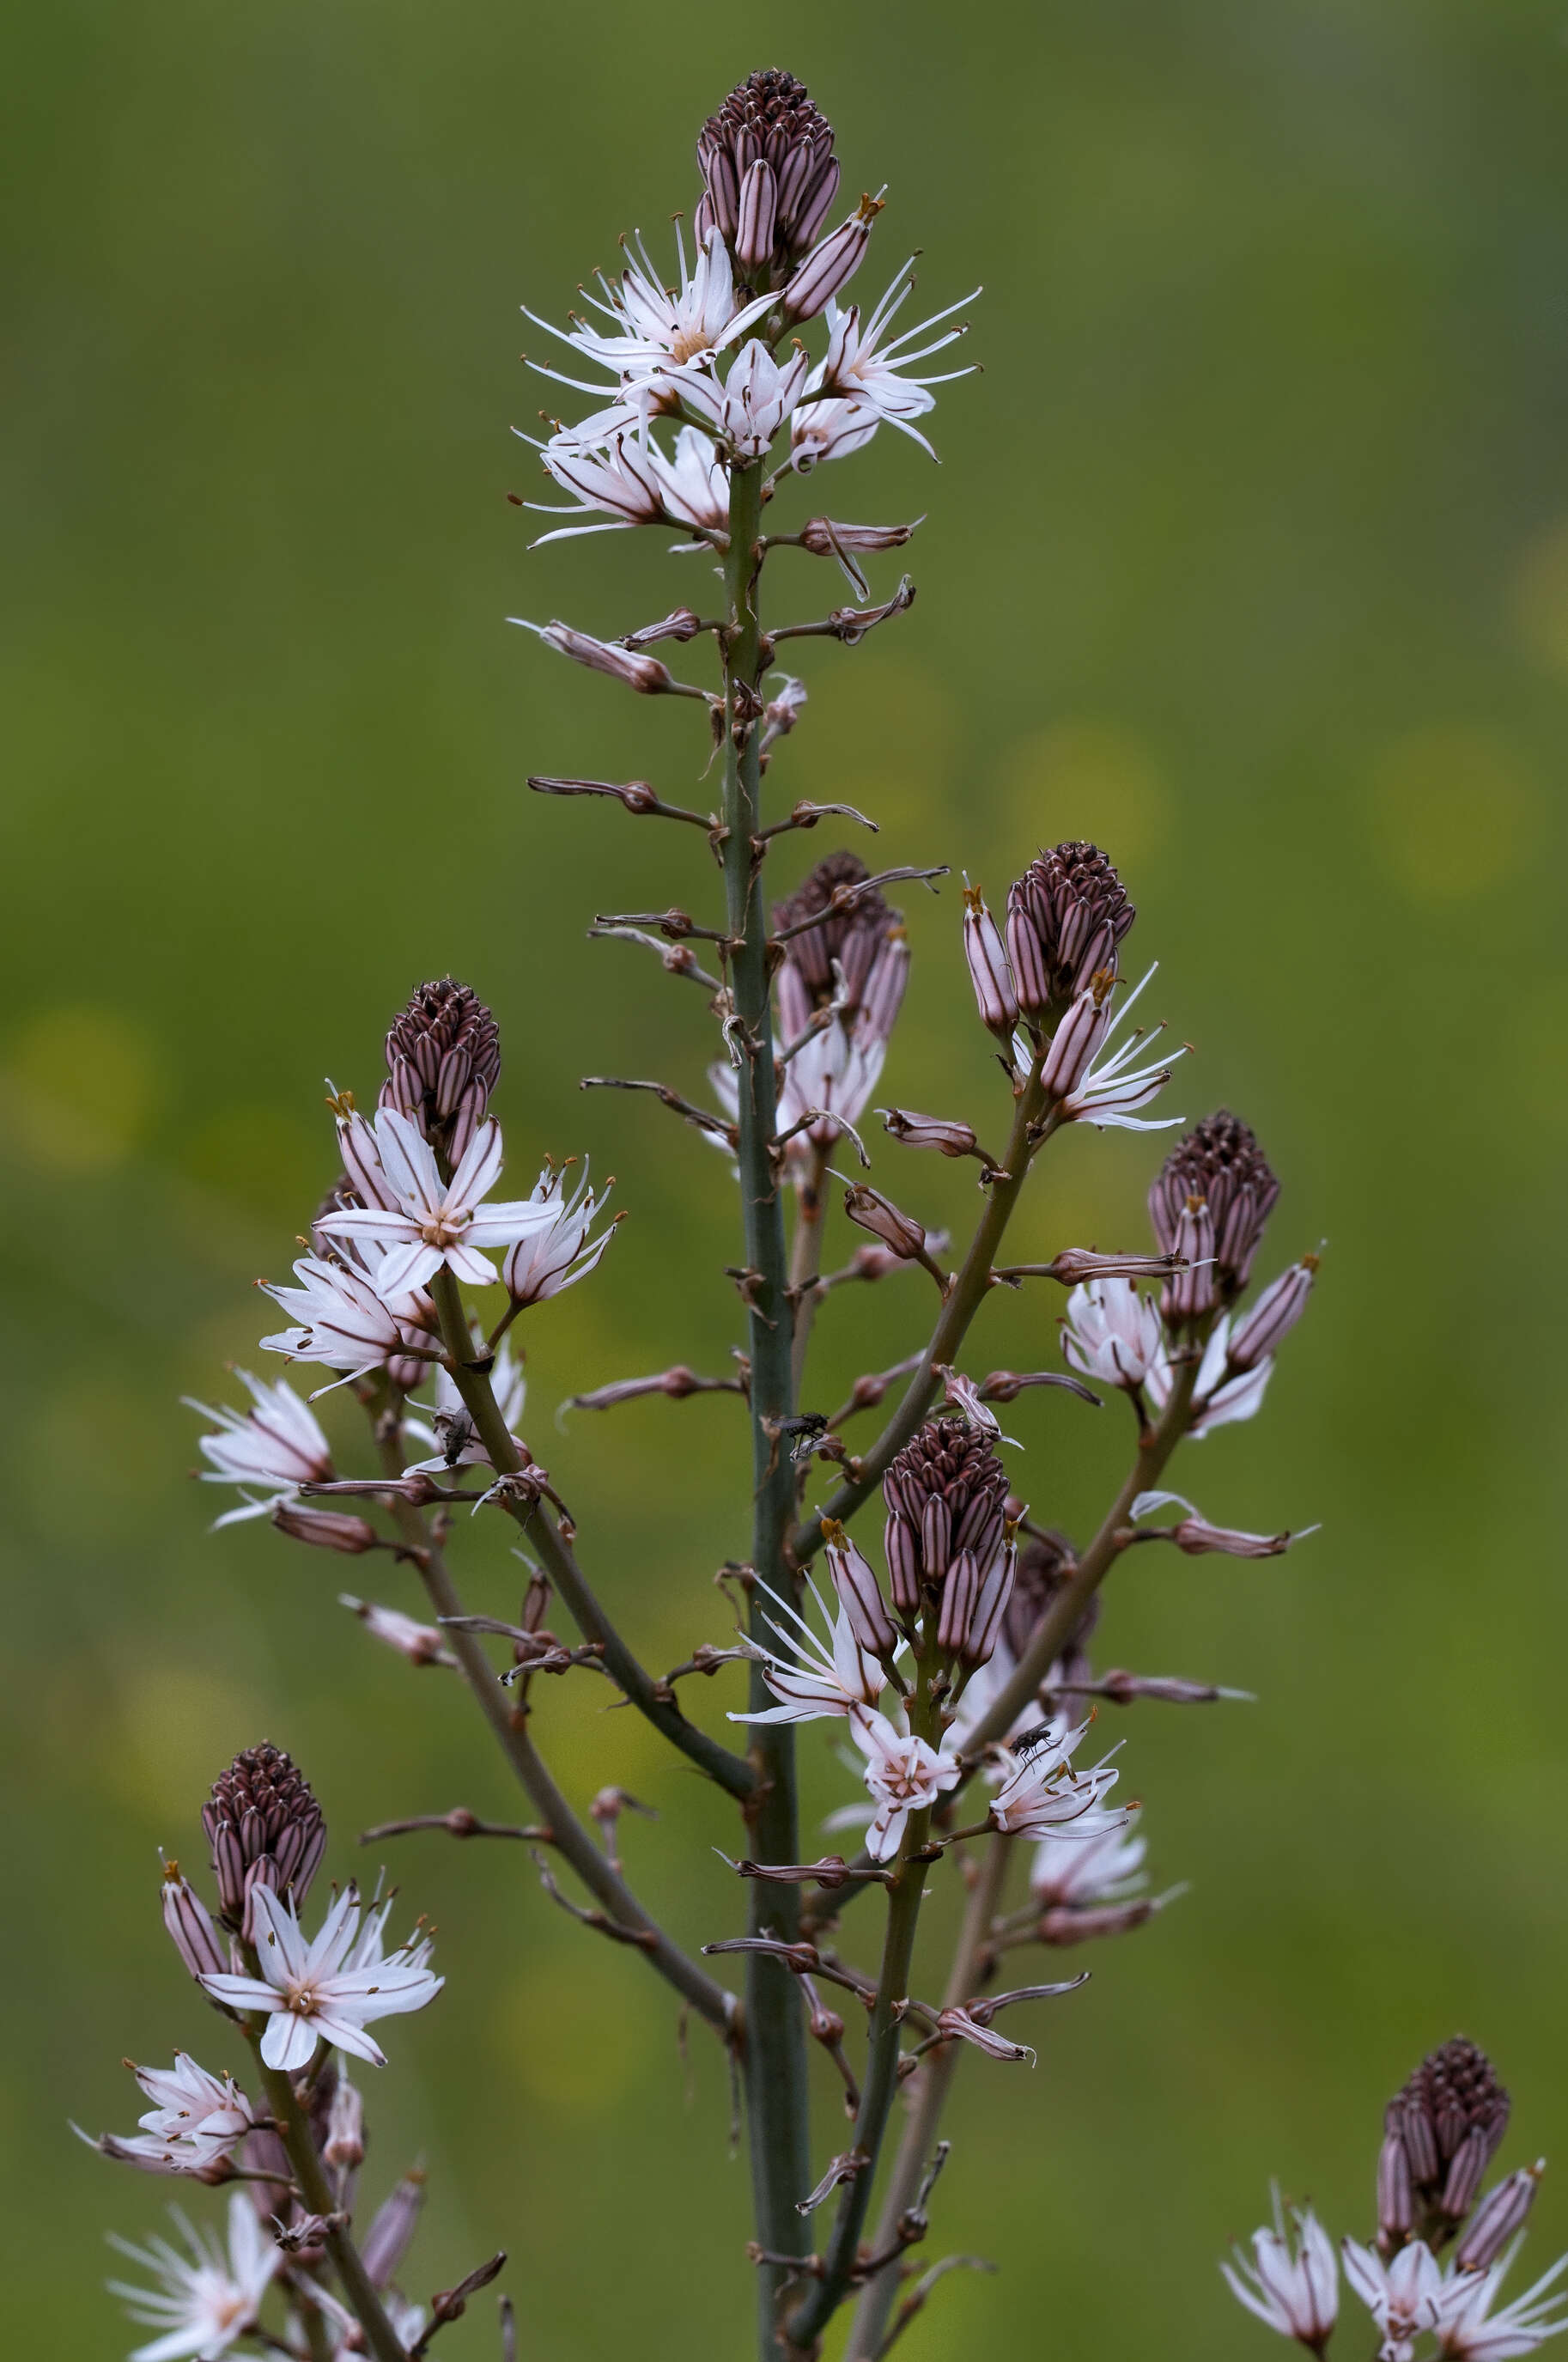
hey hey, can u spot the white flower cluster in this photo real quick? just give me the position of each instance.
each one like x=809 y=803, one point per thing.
x=703 y=358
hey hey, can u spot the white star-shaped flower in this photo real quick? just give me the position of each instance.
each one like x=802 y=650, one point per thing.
x=210 y=2295
x=436 y=1222
x=329 y=1989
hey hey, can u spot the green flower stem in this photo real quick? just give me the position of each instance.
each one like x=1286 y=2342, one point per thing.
x=310 y=2175
x=1032 y=1127
x=883 y=2047
x=731 y=1771
x=936 y=2080
x=777 y=2085
x=1056 y=1627
x=571 y=1840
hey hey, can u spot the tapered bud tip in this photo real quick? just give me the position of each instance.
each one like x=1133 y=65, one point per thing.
x=944 y=1493
x=769 y=121
x=851 y=938
x=1066 y=915
x=443 y=1062
x=1450 y=2119
x=1220 y=1171
x=265 y=1828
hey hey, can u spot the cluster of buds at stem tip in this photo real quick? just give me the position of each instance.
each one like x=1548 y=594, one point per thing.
x=1439 y=2135
x=265 y=1828
x=1066 y=918
x=769 y=174
x=855 y=956
x=1208 y=1204
x=443 y=1062
x=950 y=1546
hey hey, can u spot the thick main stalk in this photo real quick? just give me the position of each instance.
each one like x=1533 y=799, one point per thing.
x=776 y=2034
x=294 y=2130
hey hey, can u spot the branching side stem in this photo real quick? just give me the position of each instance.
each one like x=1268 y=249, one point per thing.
x=1032 y=1127
x=571 y=1839
x=869 y=2332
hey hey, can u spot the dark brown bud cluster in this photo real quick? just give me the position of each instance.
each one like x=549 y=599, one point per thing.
x=945 y=1495
x=769 y=174
x=443 y=1062
x=1045 y=1565
x=858 y=952
x=851 y=937
x=1441 y=2133
x=265 y=1829
x=1208 y=1204
x=1066 y=916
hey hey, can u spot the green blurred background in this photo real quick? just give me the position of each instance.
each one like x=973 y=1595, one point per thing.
x=1248 y=555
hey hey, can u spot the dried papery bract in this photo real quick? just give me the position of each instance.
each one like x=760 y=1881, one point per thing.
x=955 y=1673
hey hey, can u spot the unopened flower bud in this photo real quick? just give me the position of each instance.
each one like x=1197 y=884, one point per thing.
x=944 y=1493
x=1396 y=2199
x=767 y=155
x=988 y=970
x=858 y=927
x=1273 y=1315
x=949 y=1139
x=1078 y=1038
x=191 y=1926
x=1194 y=1290
x=333 y=1529
x=265 y=1828
x=1218 y=1167
x=871 y=1211
x=754 y=211
x=960 y=1596
x=1450 y=2119
x=855 y=1580
x=443 y=1062
x=1501 y=2212
x=1066 y=916
x=979 y=1644
x=421 y=1644
x=344 y=2147
x=830 y=267
x=386 y=2242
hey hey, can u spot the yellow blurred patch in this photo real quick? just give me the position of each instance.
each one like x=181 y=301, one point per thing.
x=98 y=1460
x=1455 y=810
x=1539 y=599
x=270 y=1163
x=174 y=1729
x=1088 y=778
x=574 y=2034
x=882 y=739
x=1538 y=1032
x=81 y=1084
